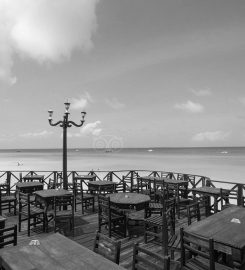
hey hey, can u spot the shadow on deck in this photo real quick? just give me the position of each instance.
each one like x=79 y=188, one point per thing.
x=84 y=234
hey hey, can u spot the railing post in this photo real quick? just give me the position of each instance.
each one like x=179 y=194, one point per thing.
x=131 y=180
x=239 y=194
x=8 y=178
x=208 y=182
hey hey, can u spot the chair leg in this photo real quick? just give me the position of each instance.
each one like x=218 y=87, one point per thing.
x=43 y=223
x=28 y=226
x=93 y=204
x=19 y=222
x=15 y=206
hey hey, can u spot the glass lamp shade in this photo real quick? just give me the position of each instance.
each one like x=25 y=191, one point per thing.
x=67 y=106
x=50 y=113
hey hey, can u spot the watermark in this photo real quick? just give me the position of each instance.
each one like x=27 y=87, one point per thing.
x=34 y=243
x=108 y=143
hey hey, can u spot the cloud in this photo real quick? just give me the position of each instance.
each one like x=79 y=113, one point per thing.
x=91 y=129
x=43 y=133
x=201 y=92
x=212 y=136
x=114 y=103
x=82 y=102
x=190 y=106
x=44 y=30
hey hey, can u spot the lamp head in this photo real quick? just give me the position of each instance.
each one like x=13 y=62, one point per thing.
x=67 y=106
x=83 y=115
x=50 y=114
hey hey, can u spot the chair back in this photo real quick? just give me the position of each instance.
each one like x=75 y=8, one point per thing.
x=194 y=245
x=64 y=202
x=8 y=236
x=204 y=206
x=53 y=184
x=144 y=186
x=64 y=209
x=193 y=212
x=145 y=259
x=24 y=201
x=104 y=208
x=107 y=247
x=121 y=187
x=4 y=190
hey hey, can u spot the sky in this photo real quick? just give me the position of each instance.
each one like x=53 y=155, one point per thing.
x=159 y=73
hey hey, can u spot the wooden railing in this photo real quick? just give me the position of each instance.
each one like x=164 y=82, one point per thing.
x=236 y=190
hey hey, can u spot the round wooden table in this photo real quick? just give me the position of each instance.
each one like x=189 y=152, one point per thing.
x=126 y=200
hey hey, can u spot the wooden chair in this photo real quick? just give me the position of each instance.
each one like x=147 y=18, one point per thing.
x=81 y=196
x=181 y=198
x=64 y=213
x=8 y=236
x=146 y=259
x=198 y=253
x=107 y=247
x=144 y=186
x=52 y=184
x=193 y=212
x=110 y=216
x=130 y=181
x=204 y=206
x=7 y=200
x=162 y=228
x=30 y=212
x=120 y=187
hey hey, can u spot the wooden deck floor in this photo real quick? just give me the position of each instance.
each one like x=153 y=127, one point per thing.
x=85 y=228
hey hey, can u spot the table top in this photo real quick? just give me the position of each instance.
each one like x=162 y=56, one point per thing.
x=50 y=193
x=208 y=190
x=54 y=252
x=85 y=177
x=101 y=183
x=126 y=198
x=223 y=227
x=28 y=184
x=165 y=179
x=36 y=176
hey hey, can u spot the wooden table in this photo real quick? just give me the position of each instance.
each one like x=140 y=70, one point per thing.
x=29 y=187
x=85 y=177
x=228 y=235
x=34 y=177
x=216 y=193
x=55 y=252
x=46 y=198
x=102 y=186
x=172 y=183
x=126 y=200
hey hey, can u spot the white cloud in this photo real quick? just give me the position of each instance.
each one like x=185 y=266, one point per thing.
x=82 y=102
x=114 y=103
x=212 y=136
x=43 y=133
x=190 y=106
x=44 y=30
x=91 y=129
x=201 y=92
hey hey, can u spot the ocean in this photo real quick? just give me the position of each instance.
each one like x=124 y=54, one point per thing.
x=218 y=163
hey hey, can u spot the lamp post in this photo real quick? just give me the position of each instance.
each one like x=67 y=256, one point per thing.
x=65 y=123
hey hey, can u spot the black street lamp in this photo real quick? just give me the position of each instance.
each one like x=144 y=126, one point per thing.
x=65 y=123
